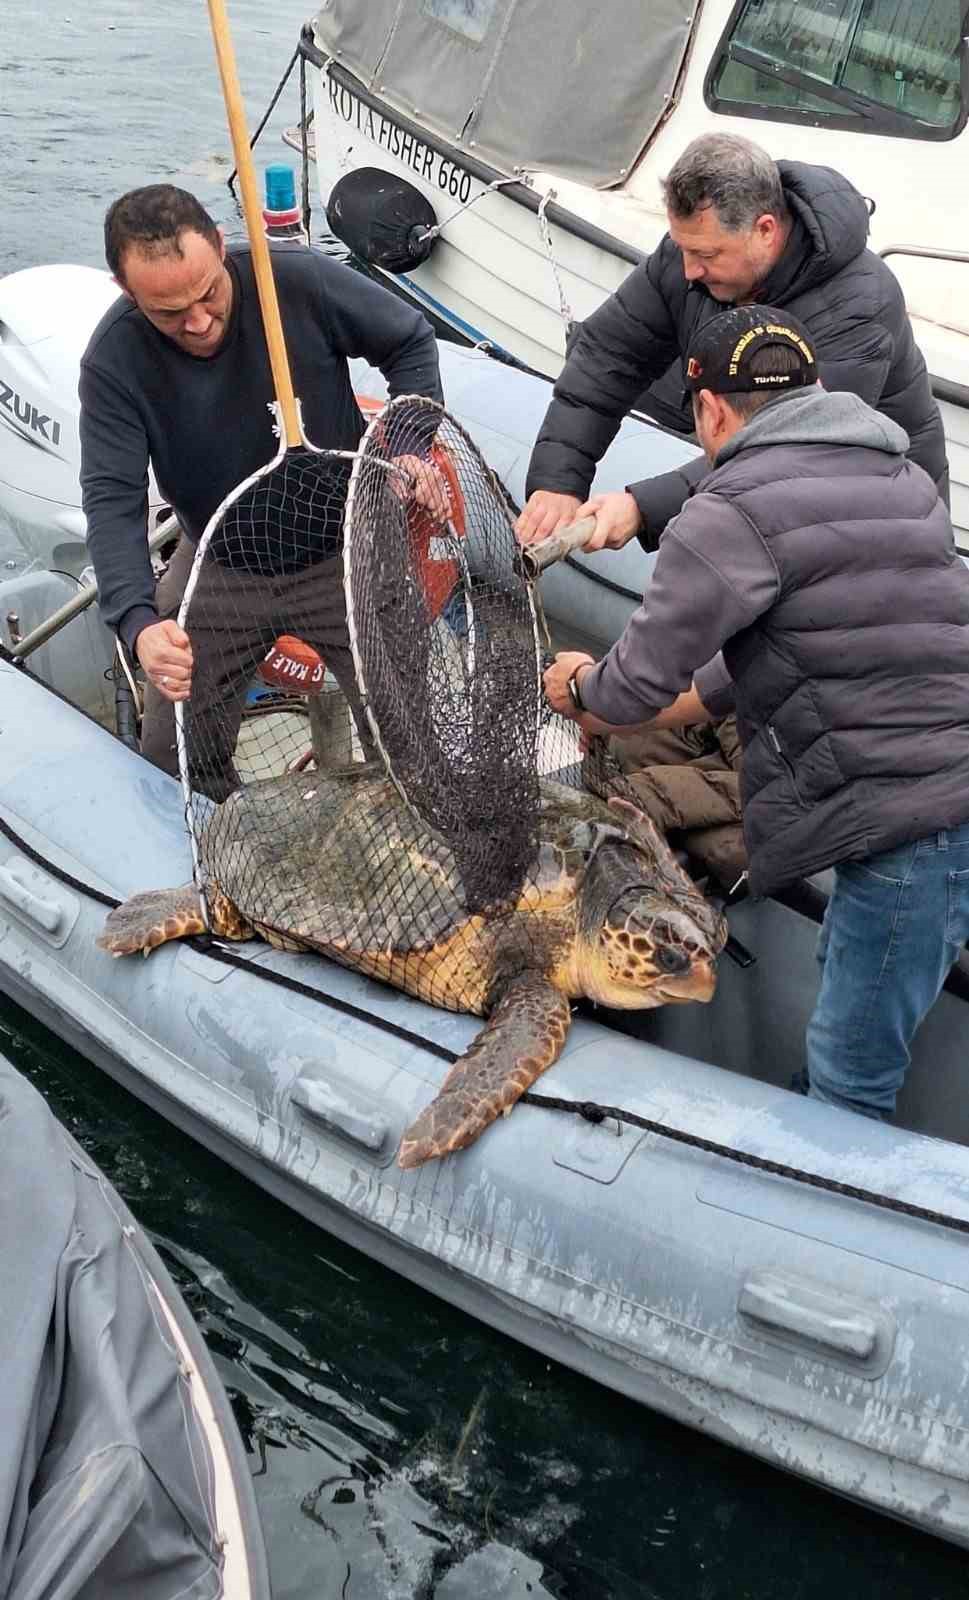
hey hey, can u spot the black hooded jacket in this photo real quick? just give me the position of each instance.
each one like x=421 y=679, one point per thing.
x=638 y=339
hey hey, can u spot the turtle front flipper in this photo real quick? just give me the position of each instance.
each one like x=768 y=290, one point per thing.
x=148 y=920
x=523 y=1035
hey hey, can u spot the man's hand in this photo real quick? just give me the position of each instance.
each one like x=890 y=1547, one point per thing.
x=556 y=678
x=427 y=486
x=617 y=517
x=544 y=513
x=165 y=652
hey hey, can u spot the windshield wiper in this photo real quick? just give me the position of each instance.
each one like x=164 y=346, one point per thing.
x=878 y=115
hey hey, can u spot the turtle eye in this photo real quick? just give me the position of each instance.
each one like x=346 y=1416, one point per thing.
x=670 y=960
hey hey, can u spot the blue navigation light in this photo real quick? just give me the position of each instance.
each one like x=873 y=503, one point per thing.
x=280 y=188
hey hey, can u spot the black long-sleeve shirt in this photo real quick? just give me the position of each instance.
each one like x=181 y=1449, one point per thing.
x=203 y=423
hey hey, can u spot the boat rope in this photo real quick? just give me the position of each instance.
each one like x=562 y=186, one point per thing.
x=230 y=181
x=62 y=876
x=590 y=1110
x=438 y=228
x=304 y=146
x=603 y=582
x=564 y=308
x=211 y=947
x=593 y=1112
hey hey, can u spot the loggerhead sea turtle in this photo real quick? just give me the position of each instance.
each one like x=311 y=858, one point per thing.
x=345 y=868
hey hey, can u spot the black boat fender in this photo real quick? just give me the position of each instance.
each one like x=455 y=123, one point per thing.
x=382 y=219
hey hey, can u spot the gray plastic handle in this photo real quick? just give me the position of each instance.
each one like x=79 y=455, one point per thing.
x=340 y=1111
x=45 y=913
x=807 y=1312
x=536 y=557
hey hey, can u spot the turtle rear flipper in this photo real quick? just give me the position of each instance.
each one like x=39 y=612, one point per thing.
x=148 y=920
x=522 y=1037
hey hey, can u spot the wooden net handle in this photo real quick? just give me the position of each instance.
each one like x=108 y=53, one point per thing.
x=252 y=210
x=536 y=557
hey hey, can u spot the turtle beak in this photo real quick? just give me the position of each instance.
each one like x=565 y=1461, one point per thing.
x=699 y=984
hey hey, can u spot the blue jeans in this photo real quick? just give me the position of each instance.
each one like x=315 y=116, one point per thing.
x=894 y=926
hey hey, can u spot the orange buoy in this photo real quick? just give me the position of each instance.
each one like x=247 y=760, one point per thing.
x=291 y=664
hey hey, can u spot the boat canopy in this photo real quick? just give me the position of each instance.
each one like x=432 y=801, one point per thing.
x=574 y=90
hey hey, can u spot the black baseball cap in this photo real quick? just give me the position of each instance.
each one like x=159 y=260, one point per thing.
x=720 y=356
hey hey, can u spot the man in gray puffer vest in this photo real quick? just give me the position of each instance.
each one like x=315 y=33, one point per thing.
x=743 y=229
x=820 y=561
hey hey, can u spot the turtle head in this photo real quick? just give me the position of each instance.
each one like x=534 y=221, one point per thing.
x=647 y=936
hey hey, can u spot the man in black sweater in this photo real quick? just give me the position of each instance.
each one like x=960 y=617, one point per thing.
x=177 y=375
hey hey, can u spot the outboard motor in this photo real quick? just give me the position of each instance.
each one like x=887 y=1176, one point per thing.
x=47 y=315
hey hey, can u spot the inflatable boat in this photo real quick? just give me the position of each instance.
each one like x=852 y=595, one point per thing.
x=122 y=1472
x=665 y=1216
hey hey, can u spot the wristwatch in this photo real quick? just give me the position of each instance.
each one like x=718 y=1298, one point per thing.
x=572 y=686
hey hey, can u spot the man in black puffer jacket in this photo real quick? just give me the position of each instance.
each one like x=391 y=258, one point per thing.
x=821 y=562
x=742 y=229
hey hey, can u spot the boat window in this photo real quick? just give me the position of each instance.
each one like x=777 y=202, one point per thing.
x=470 y=17
x=878 y=66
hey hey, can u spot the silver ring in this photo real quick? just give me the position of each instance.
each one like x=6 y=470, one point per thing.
x=164 y=680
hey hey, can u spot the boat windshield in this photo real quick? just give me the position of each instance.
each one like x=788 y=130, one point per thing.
x=877 y=66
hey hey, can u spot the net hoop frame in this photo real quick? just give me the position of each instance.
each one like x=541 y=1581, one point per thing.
x=193 y=577
x=418 y=402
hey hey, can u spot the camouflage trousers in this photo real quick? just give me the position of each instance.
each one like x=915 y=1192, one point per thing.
x=688 y=782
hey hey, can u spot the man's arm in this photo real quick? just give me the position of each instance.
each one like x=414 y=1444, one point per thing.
x=114 y=494
x=630 y=340
x=687 y=708
x=114 y=490
x=714 y=576
x=367 y=320
x=708 y=699
x=857 y=359
x=640 y=511
x=660 y=499
x=715 y=688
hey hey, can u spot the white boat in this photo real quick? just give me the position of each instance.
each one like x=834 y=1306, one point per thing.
x=538 y=135
x=789 y=1278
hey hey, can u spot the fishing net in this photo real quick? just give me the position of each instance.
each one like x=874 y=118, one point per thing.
x=446 y=647
x=268 y=570
x=367 y=755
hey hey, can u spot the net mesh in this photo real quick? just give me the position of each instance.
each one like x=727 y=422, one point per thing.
x=269 y=568
x=445 y=642
x=369 y=763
